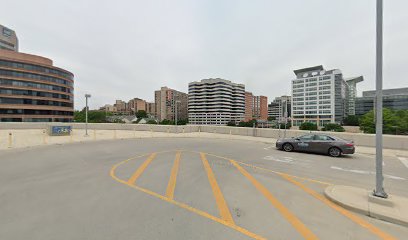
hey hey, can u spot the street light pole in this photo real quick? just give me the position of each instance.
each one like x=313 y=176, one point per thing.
x=379 y=185
x=285 y=114
x=86 y=113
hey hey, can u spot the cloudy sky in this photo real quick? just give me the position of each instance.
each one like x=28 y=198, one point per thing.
x=124 y=49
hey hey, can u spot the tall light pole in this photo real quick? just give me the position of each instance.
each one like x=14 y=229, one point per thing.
x=285 y=114
x=86 y=113
x=279 y=117
x=379 y=183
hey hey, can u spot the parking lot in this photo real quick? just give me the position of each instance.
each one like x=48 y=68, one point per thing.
x=186 y=188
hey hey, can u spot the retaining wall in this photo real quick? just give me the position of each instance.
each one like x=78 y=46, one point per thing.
x=361 y=139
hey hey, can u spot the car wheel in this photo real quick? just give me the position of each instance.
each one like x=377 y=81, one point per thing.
x=334 y=152
x=287 y=147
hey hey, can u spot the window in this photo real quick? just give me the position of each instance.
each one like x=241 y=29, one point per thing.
x=323 y=138
x=306 y=137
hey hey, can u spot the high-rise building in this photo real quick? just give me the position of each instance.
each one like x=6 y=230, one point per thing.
x=280 y=108
x=395 y=99
x=151 y=108
x=33 y=90
x=216 y=102
x=8 y=39
x=121 y=106
x=352 y=93
x=320 y=96
x=136 y=104
x=168 y=101
x=260 y=107
x=249 y=106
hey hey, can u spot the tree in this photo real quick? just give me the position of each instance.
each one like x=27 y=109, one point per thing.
x=94 y=116
x=334 y=127
x=166 y=122
x=394 y=122
x=141 y=114
x=351 y=120
x=308 y=126
x=271 y=118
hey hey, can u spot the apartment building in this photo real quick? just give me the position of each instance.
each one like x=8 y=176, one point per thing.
x=249 y=106
x=168 y=101
x=216 y=101
x=260 y=108
x=136 y=104
x=151 y=108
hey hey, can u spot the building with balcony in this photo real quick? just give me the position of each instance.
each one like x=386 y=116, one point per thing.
x=8 y=39
x=168 y=101
x=215 y=101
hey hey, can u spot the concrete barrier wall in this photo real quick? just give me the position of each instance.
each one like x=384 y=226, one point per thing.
x=361 y=139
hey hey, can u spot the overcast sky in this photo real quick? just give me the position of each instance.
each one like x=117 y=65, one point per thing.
x=124 y=49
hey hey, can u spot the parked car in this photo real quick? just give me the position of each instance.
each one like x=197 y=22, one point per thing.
x=317 y=143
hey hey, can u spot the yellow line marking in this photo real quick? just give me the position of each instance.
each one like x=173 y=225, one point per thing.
x=290 y=217
x=173 y=177
x=182 y=205
x=269 y=170
x=219 y=198
x=341 y=210
x=141 y=169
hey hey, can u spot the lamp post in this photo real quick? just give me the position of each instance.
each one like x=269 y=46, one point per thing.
x=379 y=183
x=86 y=114
x=285 y=114
x=175 y=111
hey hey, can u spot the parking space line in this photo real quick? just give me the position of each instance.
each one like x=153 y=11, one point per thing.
x=179 y=204
x=140 y=170
x=173 y=177
x=346 y=213
x=219 y=198
x=286 y=213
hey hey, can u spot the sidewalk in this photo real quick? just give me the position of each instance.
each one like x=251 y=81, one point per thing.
x=394 y=209
x=36 y=137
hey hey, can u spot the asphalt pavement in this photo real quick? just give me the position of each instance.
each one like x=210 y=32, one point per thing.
x=185 y=188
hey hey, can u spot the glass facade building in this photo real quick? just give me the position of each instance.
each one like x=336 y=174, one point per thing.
x=395 y=99
x=33 y=90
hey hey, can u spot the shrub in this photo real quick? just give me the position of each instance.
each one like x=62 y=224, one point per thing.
x=333 y=127
x=308 y=126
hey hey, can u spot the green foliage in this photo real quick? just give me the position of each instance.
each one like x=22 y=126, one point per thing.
x=282 y=125
x=333 y=127
x=182 y=122
x=231 y=124
x=247 y=124
x=141 y=114
x=394 y=122
x=351 y=120
x=166 y=122
x=308 y=126
x=151 y=121
x=94 y=116
x=271 y=118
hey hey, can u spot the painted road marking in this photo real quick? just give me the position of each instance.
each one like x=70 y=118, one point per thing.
x=173 y=177
x=288 y=215
x=366 y=172
x=267 y=148
x=179 y=204
x=351 y=216
x=219 y=198
x=140 y=170
x=404 y=161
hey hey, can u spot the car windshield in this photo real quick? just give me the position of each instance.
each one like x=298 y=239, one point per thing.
x=306 y=137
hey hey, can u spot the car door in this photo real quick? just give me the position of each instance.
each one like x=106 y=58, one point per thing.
x=322 y=143
x=303 y=143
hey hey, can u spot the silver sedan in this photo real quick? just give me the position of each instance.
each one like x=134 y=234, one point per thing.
x=317 y=143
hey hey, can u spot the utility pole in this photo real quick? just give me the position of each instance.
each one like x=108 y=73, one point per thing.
x=286 y=117
x=86 y=114
x=379 y=185
x=279 y=117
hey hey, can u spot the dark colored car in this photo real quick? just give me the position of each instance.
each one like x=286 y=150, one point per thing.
x=317 y=143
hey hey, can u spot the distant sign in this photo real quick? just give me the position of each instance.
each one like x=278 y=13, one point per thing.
x=59 y=130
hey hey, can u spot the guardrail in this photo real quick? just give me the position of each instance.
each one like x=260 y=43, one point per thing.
x=361 y=139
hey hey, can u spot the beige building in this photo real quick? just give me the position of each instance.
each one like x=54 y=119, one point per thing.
x=166 y=100
x=151 y=108
x=136 y=104
x=120 y=106
x=8 y=39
